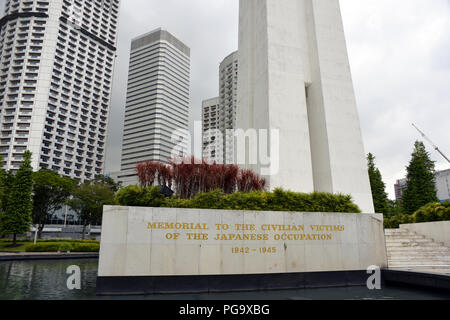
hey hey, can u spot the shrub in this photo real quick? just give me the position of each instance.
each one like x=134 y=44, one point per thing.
x=140 y=197
x=52 y=240
x=63 y=246
x=395 y=221
x=433 y=212
x=85 y=247
x=43 y=247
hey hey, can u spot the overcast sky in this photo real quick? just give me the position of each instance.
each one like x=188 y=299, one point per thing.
x=399 y=54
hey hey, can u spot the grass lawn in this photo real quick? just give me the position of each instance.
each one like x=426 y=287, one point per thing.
x=49 y=245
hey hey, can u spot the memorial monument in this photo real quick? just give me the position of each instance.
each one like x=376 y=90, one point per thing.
x=294 y=76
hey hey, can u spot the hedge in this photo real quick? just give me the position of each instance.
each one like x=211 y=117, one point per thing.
x=433 y=212
x=278 y=200
x=51 y=240
x=140 y=196
x=63 y=246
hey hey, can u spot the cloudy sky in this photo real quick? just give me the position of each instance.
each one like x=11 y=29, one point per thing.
x=399 y=54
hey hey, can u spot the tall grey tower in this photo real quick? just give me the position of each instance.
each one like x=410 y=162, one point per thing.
x=57 y=61
x=157 y=108
x=294 y=77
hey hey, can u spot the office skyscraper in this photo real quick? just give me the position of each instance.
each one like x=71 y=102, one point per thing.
x=57 y=61
x=157 y=107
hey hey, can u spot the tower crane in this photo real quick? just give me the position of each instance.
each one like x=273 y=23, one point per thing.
x=434 y=146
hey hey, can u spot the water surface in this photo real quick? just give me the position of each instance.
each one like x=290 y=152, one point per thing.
x=46 y=280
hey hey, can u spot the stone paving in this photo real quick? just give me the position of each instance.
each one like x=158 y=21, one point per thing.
x=409 y=251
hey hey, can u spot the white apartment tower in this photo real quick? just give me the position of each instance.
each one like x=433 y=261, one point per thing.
x=212 y=134
x=157 y=107
x=56 y=71
x=219 y=115
x=228 y=103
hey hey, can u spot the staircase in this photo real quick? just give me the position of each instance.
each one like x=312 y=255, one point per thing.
x=409 y=251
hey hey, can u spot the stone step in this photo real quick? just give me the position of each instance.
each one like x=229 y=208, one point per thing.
x=415 y=265
x=416 y=243
x=420 y=261
x=423 y=258
x=419 y=257
x=406 y=240
x=418 y=249
x=396 y=231
x=406 y=236
x=396 y=235
x=408 y=250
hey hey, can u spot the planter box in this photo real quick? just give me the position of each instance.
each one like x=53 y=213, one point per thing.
x=161 y=250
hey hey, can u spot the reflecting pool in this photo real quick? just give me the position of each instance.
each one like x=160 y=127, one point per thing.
x=47 y=280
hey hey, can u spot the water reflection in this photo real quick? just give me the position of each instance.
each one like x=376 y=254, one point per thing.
x=46 y=280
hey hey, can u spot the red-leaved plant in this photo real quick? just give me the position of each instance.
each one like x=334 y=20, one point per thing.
x=189 y=176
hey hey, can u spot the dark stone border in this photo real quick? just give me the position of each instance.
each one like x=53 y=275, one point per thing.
x=152 y=285
x=34 y=257
x=417 y=279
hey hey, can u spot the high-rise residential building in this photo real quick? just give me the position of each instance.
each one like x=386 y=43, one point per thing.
x=212 y=134
x=157 y=107
x=228 y=103
x=400 y=187
x=219 y=115
x=56 y=72
x=443 y=185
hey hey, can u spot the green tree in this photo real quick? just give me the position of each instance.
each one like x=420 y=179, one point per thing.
x=50 y=192
x=88 y=201
x=421 y=186
x=115 y=186
x=17 y=217
x=395 y=208
x=379 y=195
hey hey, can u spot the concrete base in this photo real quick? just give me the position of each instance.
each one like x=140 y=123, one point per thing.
x=417 y=279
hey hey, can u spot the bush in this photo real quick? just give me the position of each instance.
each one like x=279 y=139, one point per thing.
x=51 y=240
x=433 y=212
x=136 y=196
x=63 y=246
x=85 y=247
x=395 y=221
x=430 y=213
x=44 y=247
x=279 y=200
